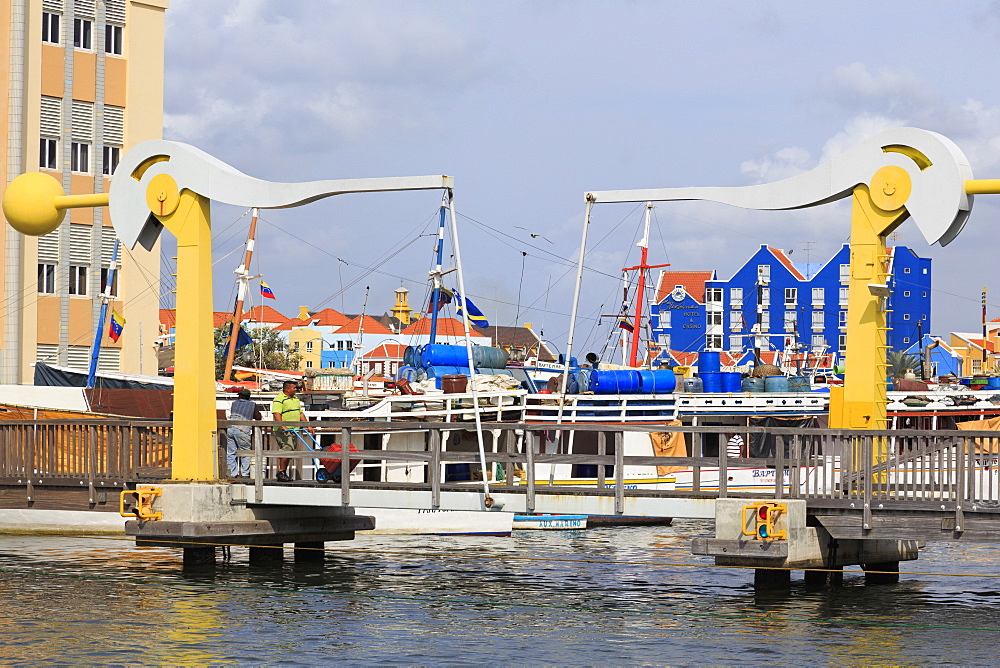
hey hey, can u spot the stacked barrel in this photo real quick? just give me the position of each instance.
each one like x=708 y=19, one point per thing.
x=437 y=360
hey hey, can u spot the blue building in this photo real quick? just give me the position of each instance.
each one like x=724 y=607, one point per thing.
x=772 y=304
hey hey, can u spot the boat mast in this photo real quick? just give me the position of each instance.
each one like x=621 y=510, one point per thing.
x=436 y=273
x=640 y=293
x=243 y=279
x=105 y=300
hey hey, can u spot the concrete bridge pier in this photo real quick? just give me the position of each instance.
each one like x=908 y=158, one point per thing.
x=796 y=546
x=197 y=517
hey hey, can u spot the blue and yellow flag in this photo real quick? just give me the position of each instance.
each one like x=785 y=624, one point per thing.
x=117 y=325
x=266 y=290
x=476 y=316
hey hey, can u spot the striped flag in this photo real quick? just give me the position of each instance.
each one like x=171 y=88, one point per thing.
x=476 y=316
x=626 y=325
x=117 y=325
x=266 y=290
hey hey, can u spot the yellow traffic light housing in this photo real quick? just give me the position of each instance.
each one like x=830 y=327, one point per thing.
x=765 y=515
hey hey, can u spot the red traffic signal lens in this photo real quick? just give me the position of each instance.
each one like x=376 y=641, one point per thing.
x=762 y=512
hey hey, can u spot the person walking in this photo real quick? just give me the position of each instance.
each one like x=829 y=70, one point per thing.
x=238 y=436
x=286 y=408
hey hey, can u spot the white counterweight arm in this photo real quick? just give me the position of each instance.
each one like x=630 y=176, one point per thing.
x=193 y=169
x=937 y=168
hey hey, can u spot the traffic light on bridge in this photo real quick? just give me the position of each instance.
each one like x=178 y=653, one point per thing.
x=765 y=515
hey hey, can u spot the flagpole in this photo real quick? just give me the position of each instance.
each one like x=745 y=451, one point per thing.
x=243 y=278
x=105 y=299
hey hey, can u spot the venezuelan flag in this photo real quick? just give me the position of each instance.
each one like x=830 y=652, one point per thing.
x=266 y=290
x=117 y=325
x=626 y=325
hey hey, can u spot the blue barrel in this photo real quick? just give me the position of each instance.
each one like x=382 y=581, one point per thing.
x=614 y=382
x=408 y=373
x=730 y=381
x=489 y=357
x=708 y=362
x=442 y=354
x=583 y=380
x=442 y=370
x=799 y=384
x=753 y=384
x=711 y=381
x=657 y=382
x=776 y=384
x=694 y=385
x=993 y=383
x=408 y=357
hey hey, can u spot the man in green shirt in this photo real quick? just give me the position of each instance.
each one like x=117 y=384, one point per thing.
x=286 y=407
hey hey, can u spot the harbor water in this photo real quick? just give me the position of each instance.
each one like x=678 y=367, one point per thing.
x=601 y=596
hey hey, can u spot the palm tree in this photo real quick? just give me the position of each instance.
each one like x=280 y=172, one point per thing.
x=900 y=363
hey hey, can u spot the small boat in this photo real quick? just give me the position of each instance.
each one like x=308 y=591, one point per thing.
x=551 y=522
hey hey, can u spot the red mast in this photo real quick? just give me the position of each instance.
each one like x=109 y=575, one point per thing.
x=640 y=293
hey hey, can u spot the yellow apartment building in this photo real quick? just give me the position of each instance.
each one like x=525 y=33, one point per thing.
x=83 y=83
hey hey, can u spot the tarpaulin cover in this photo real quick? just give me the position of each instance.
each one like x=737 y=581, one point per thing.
x=763 y=445
x=50 y=377
x=984 y=444
x=669 y=444
x=151 y=404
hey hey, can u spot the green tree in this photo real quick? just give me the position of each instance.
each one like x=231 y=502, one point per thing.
x=900 y=363
x=268 y=351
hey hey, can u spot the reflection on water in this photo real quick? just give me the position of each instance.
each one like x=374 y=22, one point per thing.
x=605 y=595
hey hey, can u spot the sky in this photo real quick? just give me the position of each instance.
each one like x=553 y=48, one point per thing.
x=531 y=104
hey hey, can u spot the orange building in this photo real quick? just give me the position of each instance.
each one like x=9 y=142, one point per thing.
x=83 y=83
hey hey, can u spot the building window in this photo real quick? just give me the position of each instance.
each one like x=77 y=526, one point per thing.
x=842 y=318
x=818 y=342
x=80 y=157
x=114 y=282
x=765 y=322
x=977 y=366
x=309 y=364
x=906 y=339
x=763 y=273
x=818 y=297
x=110 y=157
x=665 y=319
x=113 y=39
x=46 y=278
x=765 y=296
x=906 y=293
x=50 y=27
x=842 y=342
x=309 y=346
x=350 y=345
x=713 y=295
x=906 y=316
x=83 y=37
x=77 y=280
x=844 y=292
x=790 y=321
x=735 y=320
x=714 y=317
x=736 y=297
x=817 y=319
x=845 y=273
x=714 y=341
x=923 y=294
x=906 y=270
x=735 y=343
x=791 y=296
x=47 y=153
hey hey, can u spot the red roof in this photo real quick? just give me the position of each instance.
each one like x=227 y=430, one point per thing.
x=445 y=327
x=329 y=317
x=979 y=343
x=693 y=282
x=371 y=326
x=264 y=314
x=783 y=259
x=392 y=351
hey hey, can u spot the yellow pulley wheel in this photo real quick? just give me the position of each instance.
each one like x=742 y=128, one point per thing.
x=890 y=188
x=162 y=196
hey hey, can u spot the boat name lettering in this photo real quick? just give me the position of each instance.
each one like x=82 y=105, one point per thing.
x=431 y=510
x=767 y=473
x=612 y=486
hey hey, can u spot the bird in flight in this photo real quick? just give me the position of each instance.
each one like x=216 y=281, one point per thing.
x=533 y=235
